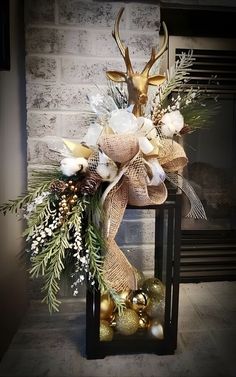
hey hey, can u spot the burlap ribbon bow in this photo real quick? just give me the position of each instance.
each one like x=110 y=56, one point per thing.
x=131 y=187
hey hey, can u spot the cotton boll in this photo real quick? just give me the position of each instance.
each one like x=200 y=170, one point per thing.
x=72 y=165
x=172 y=123
x=107 y=169
x=168 y=129
x=107 y=172
x=122 y=121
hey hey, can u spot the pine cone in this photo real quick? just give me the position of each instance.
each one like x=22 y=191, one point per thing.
x=90 y=183
x=57 y=186
x=186 y=130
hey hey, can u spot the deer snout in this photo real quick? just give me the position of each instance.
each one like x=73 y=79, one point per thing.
x=143 y=99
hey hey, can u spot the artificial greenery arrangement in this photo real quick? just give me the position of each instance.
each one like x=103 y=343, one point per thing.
x=73 y=211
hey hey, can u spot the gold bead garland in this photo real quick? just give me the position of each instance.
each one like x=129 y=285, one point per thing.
x=69 y=198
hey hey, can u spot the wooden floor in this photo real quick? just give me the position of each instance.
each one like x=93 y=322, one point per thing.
x=54 y=346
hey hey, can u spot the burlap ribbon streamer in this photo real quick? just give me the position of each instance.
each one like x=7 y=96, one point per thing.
x=131 y=188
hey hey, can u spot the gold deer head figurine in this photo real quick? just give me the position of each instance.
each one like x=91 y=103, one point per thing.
x=137 y=83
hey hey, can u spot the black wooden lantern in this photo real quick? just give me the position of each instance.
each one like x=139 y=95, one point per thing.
x=159 y=335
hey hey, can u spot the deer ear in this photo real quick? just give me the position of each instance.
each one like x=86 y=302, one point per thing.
x=156 y=79
x=116 y=76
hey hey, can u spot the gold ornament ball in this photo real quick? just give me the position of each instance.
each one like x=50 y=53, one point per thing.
x=153 y=287
x=112 y=321
x=156 y=329
x=155 y=308
x=140 y=278
x=124 y=295
x=127 y=322
x=105 y=331
x=106 y=306
x=138 y=300
x=143 y=321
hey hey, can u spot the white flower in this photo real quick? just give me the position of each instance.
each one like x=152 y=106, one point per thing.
x=122 y=121
x=146 y=128
x=93 y=133
x=30 y=208
x=172 y=123
x=83 y=260
x=40 y=198
x=71 y=165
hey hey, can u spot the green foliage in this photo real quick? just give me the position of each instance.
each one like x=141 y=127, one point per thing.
x=176 y=77
x=41 y=213
x=200 y=112
x=39 y=182
x=43 y=177
x=17 y=204
x=50 y=263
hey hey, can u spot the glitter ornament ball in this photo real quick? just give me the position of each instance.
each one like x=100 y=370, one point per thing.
x=127 y=322
x=106 y=306
x=155 y=308
x=105 y=331
x=156 y=329
x=140 y=278
x=153 y=287
x=138 y=300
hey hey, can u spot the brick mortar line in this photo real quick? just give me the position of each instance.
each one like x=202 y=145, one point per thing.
x=74 y=27
x=134 y=220
x=62 y=112
x=56 y=12
x=83 y=57
x=85 y=85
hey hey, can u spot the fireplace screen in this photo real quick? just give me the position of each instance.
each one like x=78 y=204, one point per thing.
x=212 y=170
x=208 y=250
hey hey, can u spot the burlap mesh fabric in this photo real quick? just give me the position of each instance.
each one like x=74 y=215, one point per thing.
x=119 y=148
x=93 y=161
x=114 y=208
x=118 y=272
x=139 y=193
x=132 y=187
x=172 y=156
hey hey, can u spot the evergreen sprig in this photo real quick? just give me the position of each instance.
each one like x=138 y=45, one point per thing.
x=43 y=177
x=94 y=243
x=17 y=204
x=49 y=263
x=41 y=213
x=200 y=112
x=176 y=77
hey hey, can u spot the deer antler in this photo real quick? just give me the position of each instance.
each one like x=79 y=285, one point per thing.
x=124 y=50
x=155 y=55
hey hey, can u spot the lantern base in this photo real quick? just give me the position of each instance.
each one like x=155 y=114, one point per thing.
x=145 y=326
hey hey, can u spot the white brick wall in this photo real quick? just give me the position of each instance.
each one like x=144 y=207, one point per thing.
x=68 y=49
